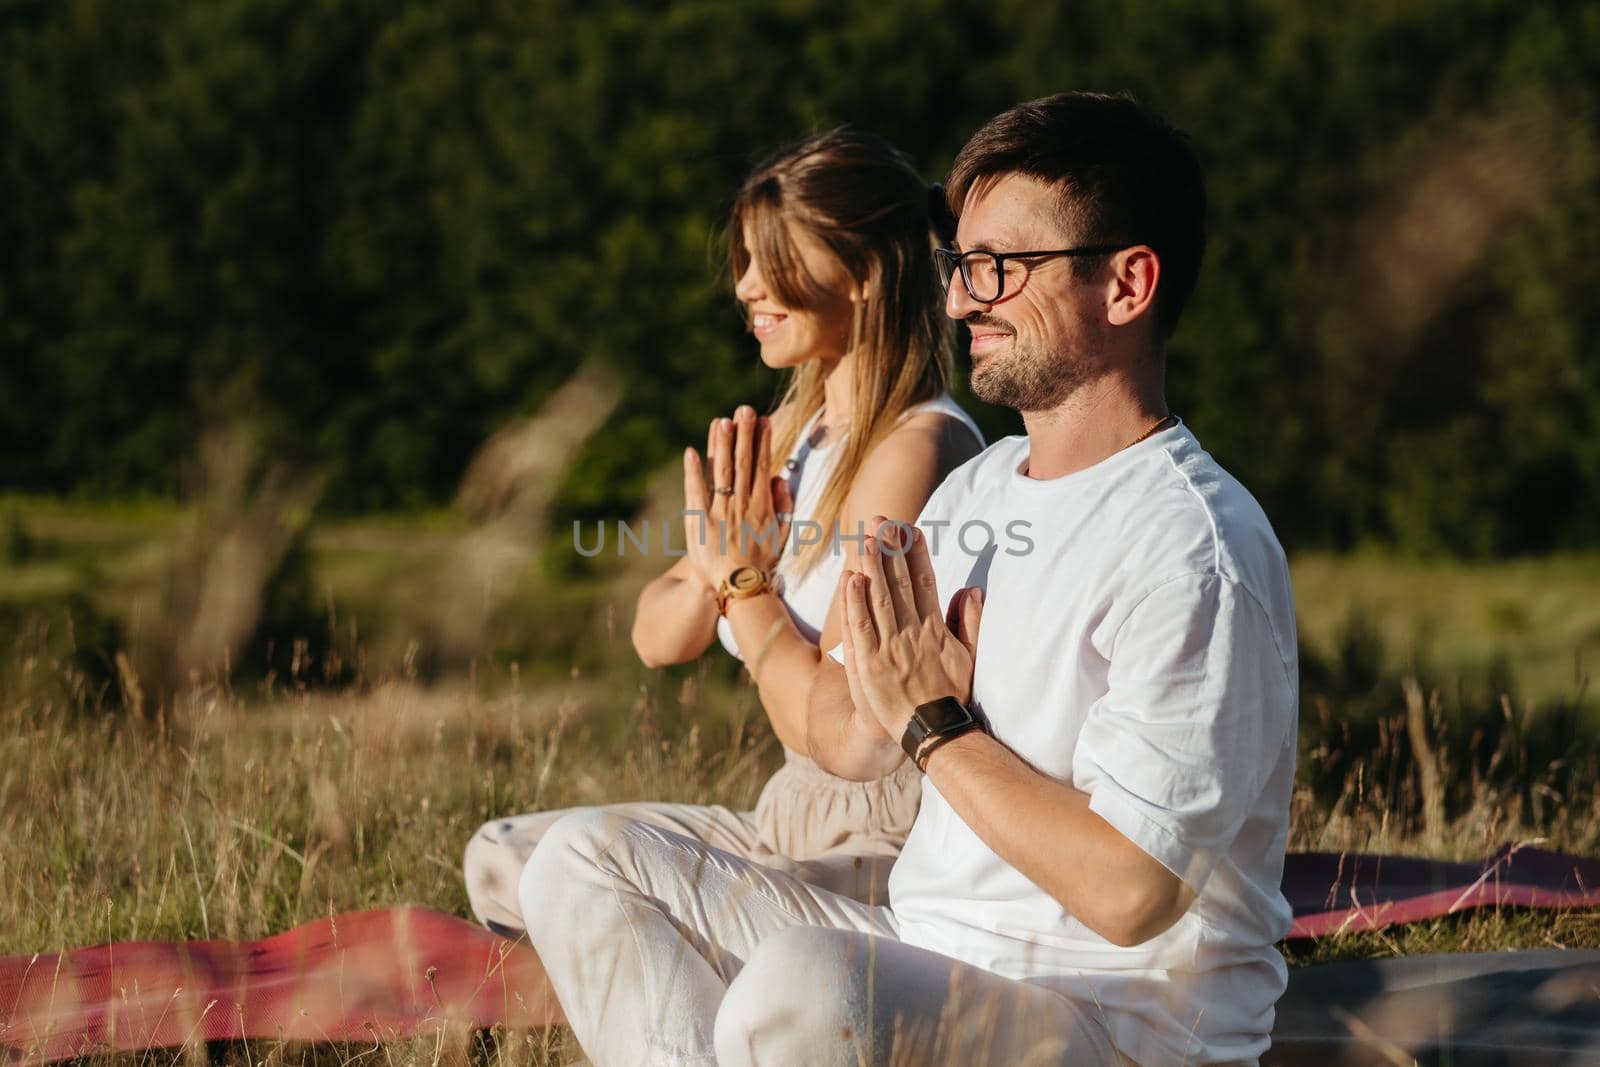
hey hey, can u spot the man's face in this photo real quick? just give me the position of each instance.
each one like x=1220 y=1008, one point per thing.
x=1035 y=345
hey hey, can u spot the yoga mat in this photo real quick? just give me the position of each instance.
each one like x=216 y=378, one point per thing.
x=1335 y=893
x=396 y=972
x=359 y=977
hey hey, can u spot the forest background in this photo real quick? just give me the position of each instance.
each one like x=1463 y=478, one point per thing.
x=380 y=230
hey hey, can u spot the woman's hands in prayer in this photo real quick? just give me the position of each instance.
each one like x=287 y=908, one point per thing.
x=741 y=519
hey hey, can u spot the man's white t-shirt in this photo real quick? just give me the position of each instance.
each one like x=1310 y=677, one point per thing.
x=1138 y=642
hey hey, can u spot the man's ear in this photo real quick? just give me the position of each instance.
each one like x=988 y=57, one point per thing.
x=1131 y=289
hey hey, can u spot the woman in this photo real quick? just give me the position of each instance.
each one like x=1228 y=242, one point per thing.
x=830 y=247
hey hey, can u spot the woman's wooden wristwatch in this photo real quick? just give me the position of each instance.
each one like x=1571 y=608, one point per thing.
x=741 y=583
x=934 y=723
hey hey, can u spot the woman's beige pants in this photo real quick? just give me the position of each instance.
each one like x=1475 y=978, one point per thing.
x=835 y=834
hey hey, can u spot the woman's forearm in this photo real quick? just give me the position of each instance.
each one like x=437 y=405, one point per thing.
x=675 y=620
x=842 y=740
x=780 y=660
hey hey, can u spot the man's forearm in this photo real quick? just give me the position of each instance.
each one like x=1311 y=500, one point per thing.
x=1044 y=829
x=841 y=740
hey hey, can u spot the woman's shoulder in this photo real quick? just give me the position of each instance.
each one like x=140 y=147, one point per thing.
x=932 y=438
x=943 y=415
x=943 y=420
x=930 y=428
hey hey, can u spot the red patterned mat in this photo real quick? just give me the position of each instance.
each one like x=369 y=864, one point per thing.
x=396 y=972
x=360 y=977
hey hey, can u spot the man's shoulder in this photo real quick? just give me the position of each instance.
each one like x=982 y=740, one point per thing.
x=1192 y=516
x=1192 y=521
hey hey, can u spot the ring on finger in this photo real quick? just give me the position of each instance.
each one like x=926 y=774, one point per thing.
x=723 y=490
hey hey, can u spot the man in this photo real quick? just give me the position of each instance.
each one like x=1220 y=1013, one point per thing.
x=1107 y=723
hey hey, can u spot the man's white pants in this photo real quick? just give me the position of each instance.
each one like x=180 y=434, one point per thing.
x=663 y=950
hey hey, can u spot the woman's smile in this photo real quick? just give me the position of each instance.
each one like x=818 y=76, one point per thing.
x=763 y=323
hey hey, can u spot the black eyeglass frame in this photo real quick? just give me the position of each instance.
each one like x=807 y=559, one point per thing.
x=958 y=264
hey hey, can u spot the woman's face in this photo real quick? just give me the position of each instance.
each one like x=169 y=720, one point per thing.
x=792 y=336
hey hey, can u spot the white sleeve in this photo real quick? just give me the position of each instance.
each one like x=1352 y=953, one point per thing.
x=1199 y=706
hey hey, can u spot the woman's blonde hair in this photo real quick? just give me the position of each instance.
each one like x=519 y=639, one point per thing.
x=861 y=197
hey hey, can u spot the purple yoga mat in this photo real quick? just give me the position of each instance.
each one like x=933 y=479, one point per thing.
x=1346 y=892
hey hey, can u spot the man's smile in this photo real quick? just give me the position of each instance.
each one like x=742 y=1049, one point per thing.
x=988 y=335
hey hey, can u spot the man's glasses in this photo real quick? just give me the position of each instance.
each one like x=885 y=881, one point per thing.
x=984 y=273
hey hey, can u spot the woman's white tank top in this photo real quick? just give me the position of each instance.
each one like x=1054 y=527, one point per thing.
x=809 y=596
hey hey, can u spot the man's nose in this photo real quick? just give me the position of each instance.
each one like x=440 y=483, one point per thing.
x=958 y=303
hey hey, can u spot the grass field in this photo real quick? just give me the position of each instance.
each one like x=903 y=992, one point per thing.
x=257 y=799
x=1534 y=620
x=1532 y=623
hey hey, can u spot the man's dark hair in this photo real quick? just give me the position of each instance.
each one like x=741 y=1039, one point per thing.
x=1125 y=175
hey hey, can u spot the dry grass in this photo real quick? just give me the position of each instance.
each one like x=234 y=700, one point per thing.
x=232 y=818
x=239 y=812
x=223 y=818
x=227 y=820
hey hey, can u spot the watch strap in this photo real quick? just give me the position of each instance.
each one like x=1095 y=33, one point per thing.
x=940 y=739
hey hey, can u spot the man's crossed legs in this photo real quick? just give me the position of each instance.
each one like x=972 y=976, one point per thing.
x=666 y=951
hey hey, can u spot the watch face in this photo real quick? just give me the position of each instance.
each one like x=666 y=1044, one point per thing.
x=939 y=715
x=744 y=579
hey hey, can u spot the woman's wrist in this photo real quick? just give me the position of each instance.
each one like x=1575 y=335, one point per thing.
x=732 y=603
x=746 y=581
x=723 y=572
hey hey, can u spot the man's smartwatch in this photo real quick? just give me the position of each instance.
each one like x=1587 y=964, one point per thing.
x=741 y=584
x=934 y=723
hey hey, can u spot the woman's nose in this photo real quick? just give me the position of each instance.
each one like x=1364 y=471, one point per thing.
x=749 y=287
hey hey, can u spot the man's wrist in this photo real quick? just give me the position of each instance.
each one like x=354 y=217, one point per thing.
x=937 y=750
x=935 y=722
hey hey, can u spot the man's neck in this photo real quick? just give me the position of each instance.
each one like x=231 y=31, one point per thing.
x=1096 y=422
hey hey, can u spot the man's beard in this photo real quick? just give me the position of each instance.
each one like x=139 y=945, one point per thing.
x=1025 y=379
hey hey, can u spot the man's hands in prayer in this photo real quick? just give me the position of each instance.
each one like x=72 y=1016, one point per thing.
x=742 y=517
x=899 y=651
